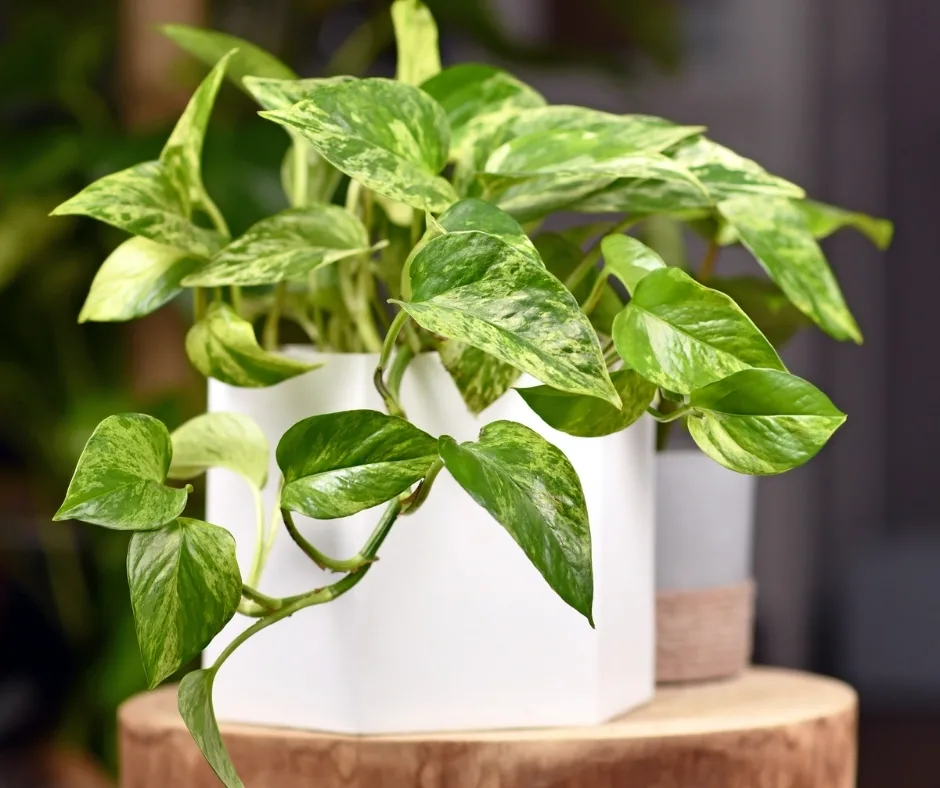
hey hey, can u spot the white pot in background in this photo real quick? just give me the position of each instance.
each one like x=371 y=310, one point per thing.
x=453 y=628
x=705 y=595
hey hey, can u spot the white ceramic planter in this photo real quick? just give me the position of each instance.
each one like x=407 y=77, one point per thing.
x=453 y=628
x=704 y=537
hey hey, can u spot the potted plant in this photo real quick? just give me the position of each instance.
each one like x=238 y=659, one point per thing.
x=407 y=282
x=705 y=593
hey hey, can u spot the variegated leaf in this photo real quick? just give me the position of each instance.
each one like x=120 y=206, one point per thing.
x=477 y=289
x=589 y=417
x=224 y=347
x=481 y=378
x=682 y=335
x=476 y=99
x=776 y=233
x=118 y=481
x=185 y=586
x=338 y=464
x=195 y=707
x=220 y=440
x=823 y=220
x=137 y=278
x=725 y=174
x=182 y=154
x=284 y=93
x=629 y=259
x=391 y=137
x=530 y=488
x=419 y=57
x=143 y=201
x=471 y=214
x=766 y=304
x=210 y=45
x=288 y=245
x=762 y=421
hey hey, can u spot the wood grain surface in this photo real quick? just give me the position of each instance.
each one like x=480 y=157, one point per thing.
x=767 y=728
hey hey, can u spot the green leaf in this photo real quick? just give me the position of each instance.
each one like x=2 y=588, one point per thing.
x=284 y=93
x=589 y=417
x=762 y=421
x=766 y=304
x=185 y=586
x=478 y=99
x=137 y=278
x=476 y=288
x=220 y=440
x=561 y=256
x=682 y=335
x=823 y=220
x=725 y=174
x=472 y=214
x=481 y=378
x=210 y=45
x=587 y=167
x=629 y=260
x=419 y=57
x=224 y=347
x=195 y=705
x=776 y=233
x=118 y=481
x=182 y=155
x=338 y=464
x=530 y=488
x=143 y=201
x=288 y=245
x=391 y=137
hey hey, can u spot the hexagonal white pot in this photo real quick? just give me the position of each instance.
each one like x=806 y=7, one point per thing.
x=453 y=629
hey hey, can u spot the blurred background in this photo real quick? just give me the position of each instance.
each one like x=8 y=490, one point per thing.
x=833 y=94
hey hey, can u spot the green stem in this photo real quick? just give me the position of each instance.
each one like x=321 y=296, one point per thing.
x=392 y=404
x=413 y=502
x=352 y=196
x=665 y=418
x=236 y=293
x=708 y=262
x=597 y=291
x=215 y=216
x=417 y=226
x=301 y=173
x=257 y=562
x=322 y=560
x=589 y=260
x=269 y=603
x=199 y=303
x=396 y=372
x=269 y=336
x=357 y=304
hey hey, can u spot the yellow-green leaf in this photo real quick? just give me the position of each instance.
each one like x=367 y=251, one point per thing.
x=416 y=40
x=220 y=440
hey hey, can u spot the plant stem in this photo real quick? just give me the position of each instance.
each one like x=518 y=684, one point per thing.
x=357 y=303
x=269 y=336
x=199 y=303
x=665 y=418
x=392 y=404
x=597 y=291
x=594 y=254
x=397 y=371
x=236 y=293
x=262 y=600
x=301 y=172
x=215 y=216
x=413 y=502
x=416 y=226
x=322 y=560
x=352 y=196
x=257 y=561
x=708 y=262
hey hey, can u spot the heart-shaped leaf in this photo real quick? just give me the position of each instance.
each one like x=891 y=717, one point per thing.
x=283 y=93
x=823 y=220
x=118 y=482
x=681 y=335
x=391 y=137
x=416 y=40
x=725 y=174
x=629 y=259
x=472 y=214
x=338 y=464
x=288 y=245
x=776 y=233
x=210 y=45
x=182 y=155
x=185 y=586
x=766 y=304
x=220 y=440
x=481 y=378
x=143 y=201
x=476 y=288
x=224 y=347
x=762 y=421
x=477 y=100
x=589 y=417
x=530 y=488
x=195 y=706
x=137 y=278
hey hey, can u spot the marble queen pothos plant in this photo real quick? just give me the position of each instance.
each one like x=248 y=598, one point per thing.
x=413 y=227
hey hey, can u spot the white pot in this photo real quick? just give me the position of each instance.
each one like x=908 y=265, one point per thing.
x=704 y=592
x=453 y=629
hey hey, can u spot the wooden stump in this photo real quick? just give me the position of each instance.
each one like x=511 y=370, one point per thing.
x=765 y=729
